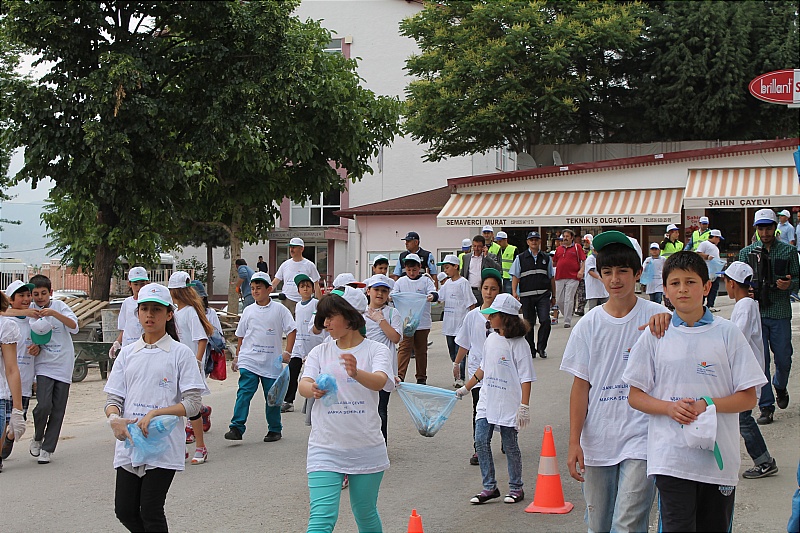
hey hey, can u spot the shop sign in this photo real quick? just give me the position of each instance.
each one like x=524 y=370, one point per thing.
x=777 y=87
x=589 y=220
x=756 y=202
x=303 y=234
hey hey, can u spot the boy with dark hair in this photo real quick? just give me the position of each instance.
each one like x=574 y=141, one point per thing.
x=693 y=382
x=608 y=438
x=52 y=324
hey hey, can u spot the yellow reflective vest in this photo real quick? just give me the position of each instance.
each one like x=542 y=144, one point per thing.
x=698 y=237
x=506 y=258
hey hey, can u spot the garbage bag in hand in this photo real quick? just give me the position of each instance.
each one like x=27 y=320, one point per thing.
x=410 y=305
x=278 y=390
x=327 y=383
x=647 y=274
x=150 y=448
x=428 y=406
x=715 y=266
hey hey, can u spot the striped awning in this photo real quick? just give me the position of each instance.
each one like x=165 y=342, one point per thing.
x=595 y=208
x=742 y=187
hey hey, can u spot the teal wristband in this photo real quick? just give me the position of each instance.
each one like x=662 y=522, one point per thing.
x=709 y=401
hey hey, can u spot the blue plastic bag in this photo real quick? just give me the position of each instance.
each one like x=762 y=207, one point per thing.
x=278 y=390
x=327 y=383
x=647 y=274
x=411 y=306
x=147 y=449
x=714 y=267
x=428 y=406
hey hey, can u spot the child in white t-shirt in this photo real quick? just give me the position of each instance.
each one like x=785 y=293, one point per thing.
x=655 y=289
x=458 y=300
x=384 y=325
x=700 y=374
x=53 y=366
x=130 y=330
x=156 y=375
x=507 y=373
x=596 y=293
x=747 y=317
x=608 y=438
x=257 y=355
x=305 y=340
x=12 y=423
x=471 y=338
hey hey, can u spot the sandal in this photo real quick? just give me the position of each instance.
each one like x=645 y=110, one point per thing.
x=485 y=496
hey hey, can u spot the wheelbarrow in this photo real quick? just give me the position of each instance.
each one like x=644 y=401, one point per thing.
x=91 y=353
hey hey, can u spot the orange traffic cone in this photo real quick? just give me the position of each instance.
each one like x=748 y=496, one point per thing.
x=549 y=497
x=415 y=523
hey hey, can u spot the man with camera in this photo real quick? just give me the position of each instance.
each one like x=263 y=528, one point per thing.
x=776 y=276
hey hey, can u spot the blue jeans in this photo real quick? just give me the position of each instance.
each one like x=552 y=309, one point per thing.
x=452 y=347
x=618 y=498
x=325 y=490
x=483 y=445
x=248 y=385
x=711 y=299
x=777 y=335
x=753 y=439
x=656 y=297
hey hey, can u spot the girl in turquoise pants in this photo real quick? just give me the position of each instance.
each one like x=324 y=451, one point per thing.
x=346 y=433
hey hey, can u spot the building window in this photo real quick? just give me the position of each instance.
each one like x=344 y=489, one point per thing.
x=318 y=211
x=334 y=47
x=394 y=257
x=505 y=159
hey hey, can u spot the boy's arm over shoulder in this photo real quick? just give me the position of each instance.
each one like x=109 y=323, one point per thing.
x=640 y=370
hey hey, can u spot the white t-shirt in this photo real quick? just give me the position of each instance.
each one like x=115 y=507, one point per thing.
x=375 y=333
x=507 y=363
x=457 y=296
x=25 y=361
x=475 y=266
x=710 y=360
x=657 y=285
x=346 y=437
x=128 y=322
x=472 y=337
x=597 y=351
x=213 y=319
x=262 y=328
x=190 y=329
x=152 y=378
x=304 y=319
x=56 y=359
x=747 y=317
x=594 y=286
x=421 y=285
x=289 y=269
x=9 y=334
x=710 y=249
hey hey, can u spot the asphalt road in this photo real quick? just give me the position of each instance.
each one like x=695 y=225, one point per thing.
x=256 y=486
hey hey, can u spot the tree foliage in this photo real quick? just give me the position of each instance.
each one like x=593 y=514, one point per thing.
x=9 y=61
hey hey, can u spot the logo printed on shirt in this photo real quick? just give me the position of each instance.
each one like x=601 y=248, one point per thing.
x=504 y=361
x=706 y=369
x=164 y=383
x=626 y=353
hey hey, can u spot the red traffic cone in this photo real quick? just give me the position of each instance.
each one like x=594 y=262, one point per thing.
x=415 y=523
x=549 y=497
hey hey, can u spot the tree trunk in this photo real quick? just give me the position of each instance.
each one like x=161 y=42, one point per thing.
x=209 y=270
x=104 y=260
x=236 y=253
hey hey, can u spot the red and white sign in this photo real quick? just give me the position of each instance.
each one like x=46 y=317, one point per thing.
x=778 y=87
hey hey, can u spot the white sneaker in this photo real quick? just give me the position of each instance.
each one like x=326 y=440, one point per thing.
x=459 y=383
x=287 y=407
x=44 y=457
x=36 y=447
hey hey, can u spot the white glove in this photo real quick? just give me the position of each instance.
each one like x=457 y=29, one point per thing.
x=112 y=352
x=523 y=416
x=460 y=393
x=16 y=424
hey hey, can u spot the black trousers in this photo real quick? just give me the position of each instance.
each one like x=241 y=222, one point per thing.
x=534 y=307
x=688 y=505
x=139 y=501
x=383 y=412
x=295 y=364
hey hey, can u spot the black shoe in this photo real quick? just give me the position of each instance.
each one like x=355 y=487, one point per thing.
x=782 y=398
x=272 y=436
x=579 y=313
x=762 y=470
x=8 y=445
x=233 y=434
x=765 y=418
x=485 y=496
x=474 y=460
x=543 y=354
x=422 y=382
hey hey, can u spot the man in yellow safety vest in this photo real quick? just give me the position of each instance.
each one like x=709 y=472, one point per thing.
x=699 y=235
x=505 y=257
x=494 y=248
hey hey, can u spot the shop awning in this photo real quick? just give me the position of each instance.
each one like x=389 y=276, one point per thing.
x=742 y=187
x=596 y=208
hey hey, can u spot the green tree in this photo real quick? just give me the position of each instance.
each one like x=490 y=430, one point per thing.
x=9 y=61
x=516 y=72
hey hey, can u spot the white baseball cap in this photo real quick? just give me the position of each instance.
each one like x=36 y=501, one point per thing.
x=380 y=280
x=155 y=292
x=354 y=297
x=466 y=243
x=501 y=235
x=138 y=274
x=262 y=276
x=503 y=303
x=655 y=245
x=784 y=213
x=588 y=237
x=717 y=233
x=441 y=276
x=41 y=330
x=412 y=257
x=702 y=433
x=671 y=227
x=487 y=228
x=449 y=259
x=179 y=280
x=296 y=241
x=765 y=216
x=346 y=278
x=704 y=220
x=379 y=258
x=14 y=286
x=738 y=272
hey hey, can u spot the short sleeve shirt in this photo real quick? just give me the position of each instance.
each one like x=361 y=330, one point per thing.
x=9 y=334
x=458 y=298
x=506 y=365
x=291 y=268
x=128 y=322
x=245 y=273
x=56 y=359
x=261 y=328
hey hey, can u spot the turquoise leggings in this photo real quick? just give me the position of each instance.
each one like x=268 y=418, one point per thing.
x=325 y=490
